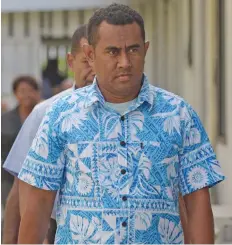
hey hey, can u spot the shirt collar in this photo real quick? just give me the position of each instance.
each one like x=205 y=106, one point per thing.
x=146 y=94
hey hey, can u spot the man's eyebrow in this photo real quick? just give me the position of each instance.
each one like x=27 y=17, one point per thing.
x=127 y=48
x=133 y=46
x=112 y=47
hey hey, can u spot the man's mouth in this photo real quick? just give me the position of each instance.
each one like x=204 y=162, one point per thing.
x=124 y=77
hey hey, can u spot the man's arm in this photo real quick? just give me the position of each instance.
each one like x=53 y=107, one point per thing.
x=35 y=216
x=12 y=216
x=184 y=220
x=43 y=169
x=199 y=170
x=200 y=217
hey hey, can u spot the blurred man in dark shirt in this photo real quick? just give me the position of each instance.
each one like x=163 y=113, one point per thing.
x=26 y=91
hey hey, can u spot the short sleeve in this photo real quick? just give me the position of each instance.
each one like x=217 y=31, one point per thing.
x=44 y=164
x=199 y=167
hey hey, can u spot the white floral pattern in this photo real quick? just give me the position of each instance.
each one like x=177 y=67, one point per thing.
x=143 y=221
x=85 y=184
x=172 y=123
x=198 y=177
x=170 y=232
x=40 y=145
x=84 y=231
x=193 y=137
x=73 y=120
x=29 y=178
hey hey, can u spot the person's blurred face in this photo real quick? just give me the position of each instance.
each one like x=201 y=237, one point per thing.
x=26 y=95
x=83 y=73
x=118 y=58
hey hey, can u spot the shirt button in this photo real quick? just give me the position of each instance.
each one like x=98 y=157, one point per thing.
x=124 y=224
x=122 y=118
x=124 y=198
x=123 y=171
x=122 y=143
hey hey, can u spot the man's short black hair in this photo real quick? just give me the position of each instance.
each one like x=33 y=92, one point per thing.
x=31 y=81
x=115 y=14
x=81 y=32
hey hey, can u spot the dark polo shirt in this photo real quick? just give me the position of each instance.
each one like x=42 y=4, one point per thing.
x=11 y=125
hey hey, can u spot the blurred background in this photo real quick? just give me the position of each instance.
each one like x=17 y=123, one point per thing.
x=190 y=54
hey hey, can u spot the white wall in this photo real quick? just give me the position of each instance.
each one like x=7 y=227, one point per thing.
x=224 y=150
x=53 y=5
x=19 y=53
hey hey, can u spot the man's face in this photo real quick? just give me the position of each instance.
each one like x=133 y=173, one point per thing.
x=79 y=65
x=118 y=58
x=26 y=95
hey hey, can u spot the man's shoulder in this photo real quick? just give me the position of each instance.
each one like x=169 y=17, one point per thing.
x=65 y=105
x=168 y=103
x=65 y=111
x=164 y=96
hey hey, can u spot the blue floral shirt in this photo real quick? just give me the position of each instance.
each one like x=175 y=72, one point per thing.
x=119 y=176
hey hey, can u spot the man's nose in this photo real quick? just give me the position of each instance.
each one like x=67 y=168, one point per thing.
x=124 y=61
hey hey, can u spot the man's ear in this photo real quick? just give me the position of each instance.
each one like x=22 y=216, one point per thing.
x=146 y=45
x=69 y=59
x=89 y=53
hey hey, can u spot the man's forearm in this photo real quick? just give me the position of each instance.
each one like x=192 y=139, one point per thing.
x=184 y=221
x=31 y=231
x=35 y=213
x=200 y=217
x=12 y=216
x=201 y=228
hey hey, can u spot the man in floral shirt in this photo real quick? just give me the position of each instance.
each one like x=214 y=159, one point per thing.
x=120 y=152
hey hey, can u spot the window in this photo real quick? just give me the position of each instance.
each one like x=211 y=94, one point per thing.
x=81 y=15
x=26 y=24
x=50 y=20
x=65 y=19
x=190 y=34
x=11 y=24
x=41 y=19
x=56 y=48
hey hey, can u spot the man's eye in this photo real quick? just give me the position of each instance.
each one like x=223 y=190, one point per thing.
x=133 y=50
x=113 y=52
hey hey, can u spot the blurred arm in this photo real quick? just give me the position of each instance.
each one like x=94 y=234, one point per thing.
x=12 y=216
x=36 y=212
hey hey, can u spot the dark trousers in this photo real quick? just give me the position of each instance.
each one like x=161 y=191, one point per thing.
x=52 y=231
